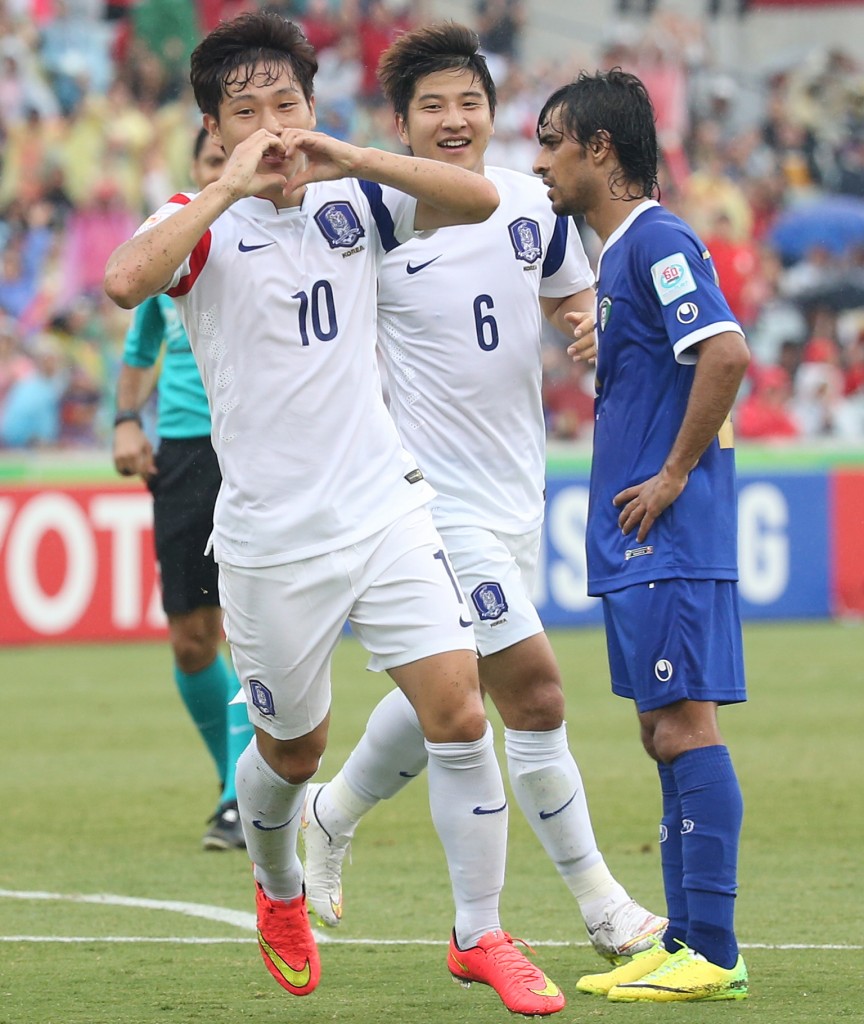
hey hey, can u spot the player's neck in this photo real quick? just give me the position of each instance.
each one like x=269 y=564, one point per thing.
x=610 y=214
x=282 y=202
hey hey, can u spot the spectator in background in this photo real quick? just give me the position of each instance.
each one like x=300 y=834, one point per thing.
x=764 y=414
x=378 y=27
x=500 y=24
x=23 y=261
x=94 y=231
x=14 y=364
x=819 y=403
x=736 y=262
x=31 y=413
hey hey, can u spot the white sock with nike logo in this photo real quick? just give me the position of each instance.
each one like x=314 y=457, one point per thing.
x=548 y=787
x=469 y=811
x=270 y=813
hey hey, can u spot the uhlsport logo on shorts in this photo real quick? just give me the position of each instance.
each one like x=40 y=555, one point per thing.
x=663 y=670
x=489 y=600
x=262 y=698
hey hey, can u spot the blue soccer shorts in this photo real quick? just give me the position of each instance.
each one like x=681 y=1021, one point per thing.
x=675 y=640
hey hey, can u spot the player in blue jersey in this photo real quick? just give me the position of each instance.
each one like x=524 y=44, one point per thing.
x=184 y=479
x=460 y=318
x=661 y=532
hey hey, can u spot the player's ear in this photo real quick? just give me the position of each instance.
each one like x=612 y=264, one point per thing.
x=600 y=142
x=401 y=124
x=211 y=126
x=312 y=112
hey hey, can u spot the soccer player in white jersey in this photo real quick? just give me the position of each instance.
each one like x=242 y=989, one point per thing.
x=459 y=334
x=321 y=516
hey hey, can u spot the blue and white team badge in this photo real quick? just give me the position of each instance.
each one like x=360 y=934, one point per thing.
x=525 y=237
x=262 y=698
x=339 y=224
x=489 y=601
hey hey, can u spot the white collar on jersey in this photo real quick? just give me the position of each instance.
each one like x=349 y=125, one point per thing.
x=624 y=225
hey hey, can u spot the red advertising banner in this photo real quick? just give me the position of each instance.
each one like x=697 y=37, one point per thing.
x=78 y=564
x=847 y=530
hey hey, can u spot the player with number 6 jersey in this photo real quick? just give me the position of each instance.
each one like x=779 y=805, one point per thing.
x=460 y=332
x=459 y=335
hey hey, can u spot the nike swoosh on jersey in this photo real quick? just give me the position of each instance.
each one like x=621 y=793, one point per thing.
x=490 y=810
x=251 y=248
x=464 y=624
x=421 y=266
x=545 y=815
x=297 y=979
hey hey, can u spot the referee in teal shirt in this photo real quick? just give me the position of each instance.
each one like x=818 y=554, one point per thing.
x=183 y=477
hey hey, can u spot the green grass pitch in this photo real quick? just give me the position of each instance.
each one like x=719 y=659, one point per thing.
x=105 y=789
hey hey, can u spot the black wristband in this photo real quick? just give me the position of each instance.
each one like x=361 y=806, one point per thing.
x=127 y=416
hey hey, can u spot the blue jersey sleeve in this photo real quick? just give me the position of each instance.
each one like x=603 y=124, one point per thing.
x=684 y=285
x=146 y=334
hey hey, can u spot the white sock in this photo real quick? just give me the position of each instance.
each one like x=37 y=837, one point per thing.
x=469 y=811
x=389 y=754
x=548 y=787
x=338 y=808
x=263 y=797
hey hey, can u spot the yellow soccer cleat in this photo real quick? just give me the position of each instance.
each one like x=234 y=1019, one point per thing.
x=641 y=964
x=685 y=976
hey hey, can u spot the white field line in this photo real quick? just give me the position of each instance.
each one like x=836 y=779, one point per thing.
x=246 y=921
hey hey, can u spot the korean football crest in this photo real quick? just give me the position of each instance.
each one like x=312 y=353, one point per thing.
x=339 y=224
x=489 y=601
x=525 y=238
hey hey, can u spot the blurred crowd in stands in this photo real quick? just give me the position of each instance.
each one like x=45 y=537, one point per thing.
x=97 y=121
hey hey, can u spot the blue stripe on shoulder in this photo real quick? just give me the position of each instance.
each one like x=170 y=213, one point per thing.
x=557 y=248
x=380 y=213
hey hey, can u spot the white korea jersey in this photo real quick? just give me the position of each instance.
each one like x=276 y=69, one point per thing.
x=459 y=327
x=279 y=306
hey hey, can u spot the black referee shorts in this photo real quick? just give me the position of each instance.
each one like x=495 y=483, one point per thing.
x=184 y=492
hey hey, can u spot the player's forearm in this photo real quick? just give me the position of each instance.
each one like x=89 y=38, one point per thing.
x=134 y=385
x=464 y=197
x=556 y=310
x=720 y=367
x=145 y=264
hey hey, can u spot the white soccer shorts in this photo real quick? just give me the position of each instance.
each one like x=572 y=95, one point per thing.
x=397 y=589
x=496 y=572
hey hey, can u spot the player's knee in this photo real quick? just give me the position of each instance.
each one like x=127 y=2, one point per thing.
x=463 y=724
x=294 y=765
x=194 y=648
x=536 y=705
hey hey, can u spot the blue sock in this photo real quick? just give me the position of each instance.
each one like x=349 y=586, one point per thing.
x=711 y=813
x=206 y=695
x=240 y=732
x=671 y=861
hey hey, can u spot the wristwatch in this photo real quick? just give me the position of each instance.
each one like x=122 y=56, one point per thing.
x=127 y=416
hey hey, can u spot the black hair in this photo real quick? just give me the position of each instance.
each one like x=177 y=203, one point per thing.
x=261 y=43
x=200 y=139
x=443 y=46
x=614 y=104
